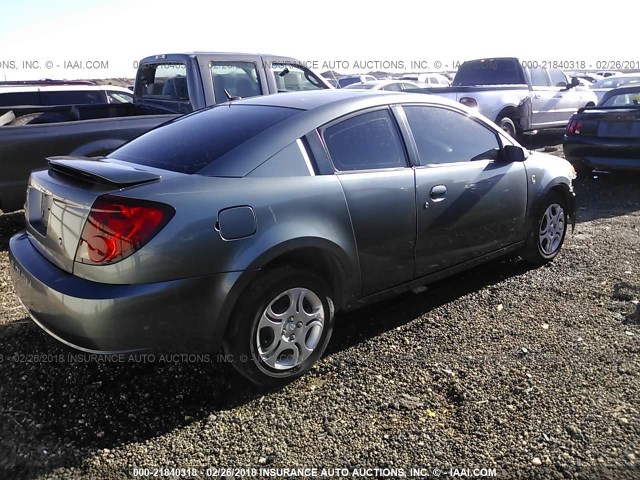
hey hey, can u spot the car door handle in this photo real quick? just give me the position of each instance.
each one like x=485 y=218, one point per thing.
x=438 y=193
x=537 y=95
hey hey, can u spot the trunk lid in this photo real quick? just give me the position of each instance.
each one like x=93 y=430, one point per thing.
x=611 y=122
x=59 y=201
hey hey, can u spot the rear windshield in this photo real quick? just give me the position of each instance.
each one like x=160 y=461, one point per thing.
x=498 y=71
x=190 y=143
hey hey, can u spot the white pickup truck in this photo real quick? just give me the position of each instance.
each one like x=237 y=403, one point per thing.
x=518 y=98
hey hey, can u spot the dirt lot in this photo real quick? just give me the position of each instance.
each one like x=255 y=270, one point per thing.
x=531 y=372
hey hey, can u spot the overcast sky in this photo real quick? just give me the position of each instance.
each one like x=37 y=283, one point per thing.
x=118 y=33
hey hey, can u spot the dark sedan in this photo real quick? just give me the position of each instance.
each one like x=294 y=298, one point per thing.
x=606 y=136
x=250 y=224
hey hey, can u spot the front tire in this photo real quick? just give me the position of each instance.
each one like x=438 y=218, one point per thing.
x=281 y=327
x=508 y=125
x=549 y=230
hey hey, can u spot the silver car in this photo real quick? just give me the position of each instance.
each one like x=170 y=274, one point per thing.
x=250 y=225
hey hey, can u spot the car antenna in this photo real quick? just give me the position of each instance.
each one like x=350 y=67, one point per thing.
x=230 y=98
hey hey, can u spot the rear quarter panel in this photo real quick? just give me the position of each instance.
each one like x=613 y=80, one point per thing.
x=290 y=213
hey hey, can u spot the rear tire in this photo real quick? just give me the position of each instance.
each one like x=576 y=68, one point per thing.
x=281 y=326
x=548 y=231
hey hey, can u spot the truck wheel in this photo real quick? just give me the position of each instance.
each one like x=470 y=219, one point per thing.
x=548 y=231
x=39 y=118
x=506 y=124
x=281 y=326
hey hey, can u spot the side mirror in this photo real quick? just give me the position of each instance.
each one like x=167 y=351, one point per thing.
x=513 y=153
x=574 y=83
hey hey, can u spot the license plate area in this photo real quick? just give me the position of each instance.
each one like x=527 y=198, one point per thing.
x=619 y=129
x=39 y=205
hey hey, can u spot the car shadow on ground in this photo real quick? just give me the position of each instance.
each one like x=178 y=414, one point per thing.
x=10 y=223
x=599 y=194
x=51 y=395
x=548 y=138
x=607 y=194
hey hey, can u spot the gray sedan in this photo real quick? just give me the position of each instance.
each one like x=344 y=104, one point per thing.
x=249 y=225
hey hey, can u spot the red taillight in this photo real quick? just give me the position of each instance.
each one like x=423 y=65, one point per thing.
x=469 y=102
x=575 y=127
x=118 y=227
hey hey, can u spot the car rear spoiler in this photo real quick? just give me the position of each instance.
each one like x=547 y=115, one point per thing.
x=96 y=170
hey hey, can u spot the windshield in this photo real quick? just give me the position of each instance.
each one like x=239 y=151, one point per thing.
x=192 y=142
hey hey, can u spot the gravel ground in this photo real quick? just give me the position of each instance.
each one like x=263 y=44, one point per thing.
x=531 y=372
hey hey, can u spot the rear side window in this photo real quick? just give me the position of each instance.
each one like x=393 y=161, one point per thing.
x=539 y=77
x=239 y=79
x=558 y=79
x=19 y=98
x=497 y=71
x=165 y=83
x=192 y=142
x=445 y=136
x=294 y=78
x=50 y=98
x=73 y=98
x=367 y=141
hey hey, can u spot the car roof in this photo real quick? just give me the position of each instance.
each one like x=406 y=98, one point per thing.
x=313 y=99
x=179 y=56
x=320 y=107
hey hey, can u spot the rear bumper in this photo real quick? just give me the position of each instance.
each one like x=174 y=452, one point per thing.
x=608 y=154
x=180 y=316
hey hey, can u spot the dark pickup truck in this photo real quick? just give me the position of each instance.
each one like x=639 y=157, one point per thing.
x=166 y=86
